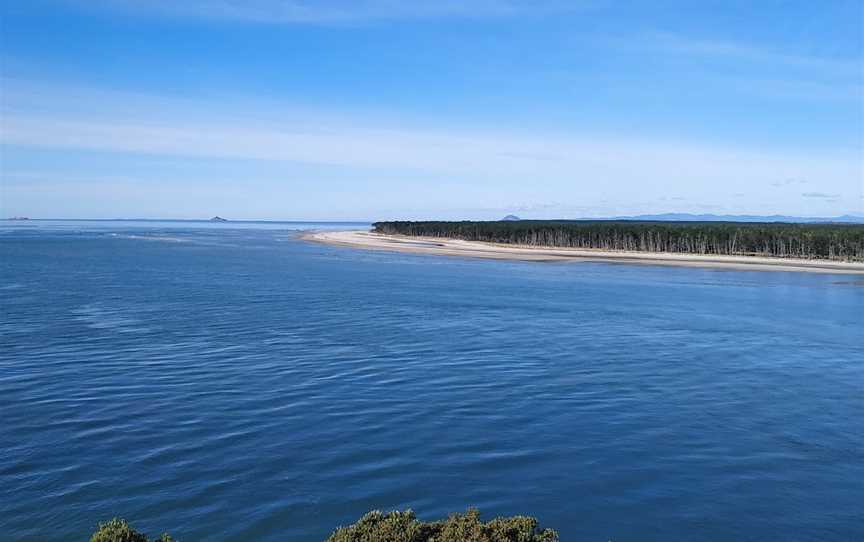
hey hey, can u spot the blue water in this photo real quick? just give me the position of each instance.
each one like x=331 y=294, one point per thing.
x=231 y=382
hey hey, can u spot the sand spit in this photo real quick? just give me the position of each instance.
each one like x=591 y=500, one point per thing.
x=476 y=249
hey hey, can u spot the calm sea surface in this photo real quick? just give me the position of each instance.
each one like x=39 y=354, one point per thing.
x=231 y=382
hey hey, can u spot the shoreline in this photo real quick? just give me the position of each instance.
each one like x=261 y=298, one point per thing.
x=477 y=249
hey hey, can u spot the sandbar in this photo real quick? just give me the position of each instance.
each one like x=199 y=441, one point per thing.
x=478 y=249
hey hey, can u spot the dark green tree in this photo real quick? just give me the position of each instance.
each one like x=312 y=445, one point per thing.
x=841 y=242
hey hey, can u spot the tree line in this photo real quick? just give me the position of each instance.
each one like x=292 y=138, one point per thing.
x=841 y=242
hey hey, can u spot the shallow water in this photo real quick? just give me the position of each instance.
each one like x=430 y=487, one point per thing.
x=231 y=382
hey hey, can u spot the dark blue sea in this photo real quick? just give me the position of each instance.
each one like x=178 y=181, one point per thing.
x=231 y=382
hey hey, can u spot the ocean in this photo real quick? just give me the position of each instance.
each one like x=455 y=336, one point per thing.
x=232 y=382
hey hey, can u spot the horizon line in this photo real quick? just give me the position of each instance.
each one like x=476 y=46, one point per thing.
x=23 y=218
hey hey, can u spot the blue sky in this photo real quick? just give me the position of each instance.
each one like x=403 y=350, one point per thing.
x=375 y=109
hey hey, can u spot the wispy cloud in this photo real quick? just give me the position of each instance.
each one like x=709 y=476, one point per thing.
x=336 y=11
x=474 y=161
x=454 y=152
x=792 y=88
x=788 y=182
x=676 y=44
x=747 y=68
x=821 y=195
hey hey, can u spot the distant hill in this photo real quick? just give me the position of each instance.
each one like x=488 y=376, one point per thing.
x=511 y=218
x=682 y=217
x=218 y=219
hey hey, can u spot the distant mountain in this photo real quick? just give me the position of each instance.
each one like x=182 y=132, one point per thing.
x=683 y=217
x=510 y=218
x=218 y=219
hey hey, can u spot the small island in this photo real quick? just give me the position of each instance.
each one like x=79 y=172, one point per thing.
x=218 y=218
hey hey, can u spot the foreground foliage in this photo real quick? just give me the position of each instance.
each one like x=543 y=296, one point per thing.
x=404 y=527
x=394 y=526
x=118 y=530
x=843 y=242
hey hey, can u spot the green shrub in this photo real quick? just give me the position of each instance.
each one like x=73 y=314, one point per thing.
x=405 y=527
x=394 y=526
x=118 y=530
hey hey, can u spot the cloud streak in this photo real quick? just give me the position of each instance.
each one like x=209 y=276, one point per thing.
x=788 y=182
x=821 y=195
x=457 y=152
x=335 y=11
x=471 y=161
x=676 y=44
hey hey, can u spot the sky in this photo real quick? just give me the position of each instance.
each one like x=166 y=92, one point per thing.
x=447 y=109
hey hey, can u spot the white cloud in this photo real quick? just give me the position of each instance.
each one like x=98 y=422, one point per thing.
x=464 y=153
x=676 y=44
x=472 y=164
x=788 y=182
x=820 y=195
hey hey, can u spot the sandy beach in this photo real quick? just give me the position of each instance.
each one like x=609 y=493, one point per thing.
x=472 y=249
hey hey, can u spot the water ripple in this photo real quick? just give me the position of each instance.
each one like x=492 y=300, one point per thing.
x=242 y=384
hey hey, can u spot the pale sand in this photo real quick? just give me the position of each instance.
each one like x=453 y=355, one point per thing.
x=476 y=249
